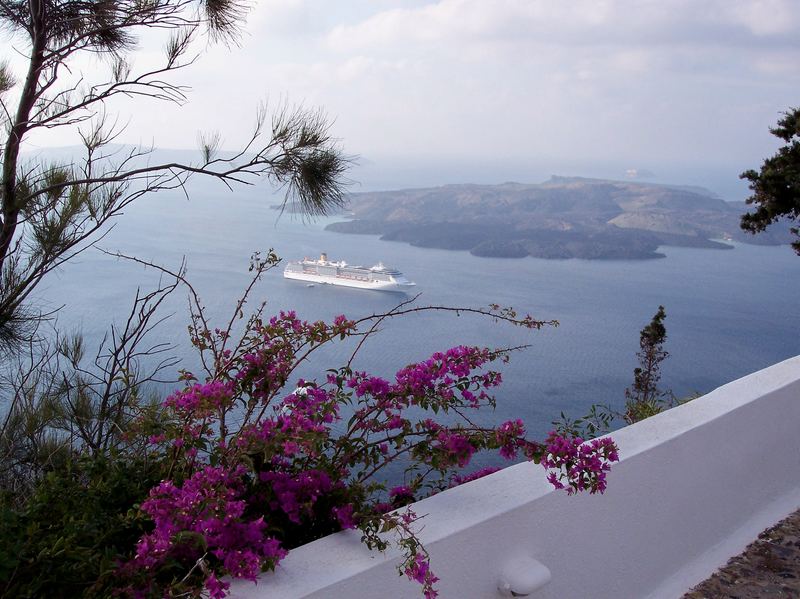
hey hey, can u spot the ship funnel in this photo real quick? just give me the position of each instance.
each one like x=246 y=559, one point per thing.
x=323 y=257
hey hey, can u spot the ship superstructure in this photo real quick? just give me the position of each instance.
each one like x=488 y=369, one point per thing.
x=324 y=271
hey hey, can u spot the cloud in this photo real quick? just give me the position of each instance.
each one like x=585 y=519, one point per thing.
x=359 y=67
x=280 y=17
x=579 y=22
x=767 y=17
x=639 y=81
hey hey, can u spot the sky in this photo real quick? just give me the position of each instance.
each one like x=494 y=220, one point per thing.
x=501 y=86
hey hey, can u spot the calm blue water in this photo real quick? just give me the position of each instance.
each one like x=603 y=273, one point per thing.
x=729 y=313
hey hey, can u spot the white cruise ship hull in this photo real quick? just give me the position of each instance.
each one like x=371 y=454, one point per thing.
x=345 y=282
x=328 y=272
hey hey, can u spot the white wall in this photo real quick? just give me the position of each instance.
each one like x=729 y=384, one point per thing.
x=694 y=486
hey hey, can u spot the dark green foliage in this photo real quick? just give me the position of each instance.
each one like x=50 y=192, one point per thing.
x=73 y=428
x=50 y=213
x=776 y=187
x=67 y=538
x=644 y=398
x=73 y=465
x=595 y=423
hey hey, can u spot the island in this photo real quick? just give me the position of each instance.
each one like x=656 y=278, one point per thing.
x=564 y=217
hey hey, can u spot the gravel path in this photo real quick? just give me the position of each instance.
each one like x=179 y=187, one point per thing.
x=768 y=568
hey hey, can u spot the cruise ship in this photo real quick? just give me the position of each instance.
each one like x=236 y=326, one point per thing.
x=378 y=277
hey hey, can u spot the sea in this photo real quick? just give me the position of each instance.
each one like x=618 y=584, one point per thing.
x=729 y=312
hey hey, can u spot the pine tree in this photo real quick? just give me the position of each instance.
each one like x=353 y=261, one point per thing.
x=50 y=212
x=776 y=186
x=644 y=398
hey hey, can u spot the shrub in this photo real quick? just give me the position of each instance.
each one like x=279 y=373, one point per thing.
x=69 y=535
x=246 y=461
x=254 y=471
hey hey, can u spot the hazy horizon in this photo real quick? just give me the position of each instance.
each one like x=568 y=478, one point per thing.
x=502 y=90
x=389 y=173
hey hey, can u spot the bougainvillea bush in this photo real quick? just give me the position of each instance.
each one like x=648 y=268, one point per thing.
x=259 y=462
x=244 y=460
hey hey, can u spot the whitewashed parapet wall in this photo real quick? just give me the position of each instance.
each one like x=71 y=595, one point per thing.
x=694 y=486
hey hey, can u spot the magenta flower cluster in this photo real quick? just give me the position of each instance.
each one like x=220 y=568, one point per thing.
x=456 y=448
x=264 y=370
x=510 y=437
x=299 y=425
x=443 y=375
x=420 y=570
x=441 y=379
x=295 y=495
x=202 y=400
x=460 y=480
x=285 y=465
x=577 y=465
x=210 y=505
